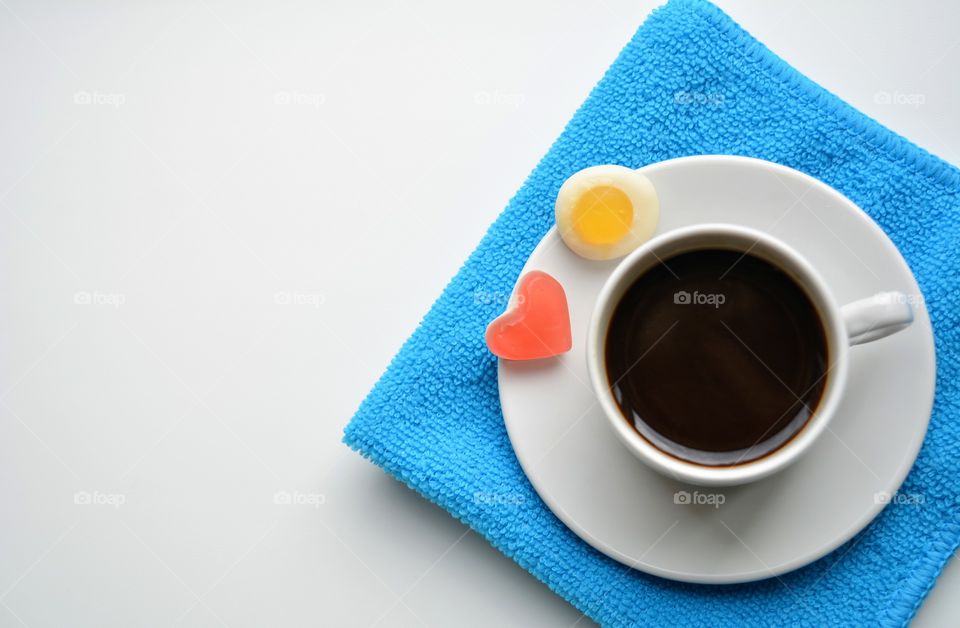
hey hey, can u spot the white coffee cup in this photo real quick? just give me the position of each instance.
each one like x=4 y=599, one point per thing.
x=862 y=321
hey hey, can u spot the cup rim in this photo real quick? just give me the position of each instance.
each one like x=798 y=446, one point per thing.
x=783 y=256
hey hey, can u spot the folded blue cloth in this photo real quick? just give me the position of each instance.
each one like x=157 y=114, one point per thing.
x=434 y=419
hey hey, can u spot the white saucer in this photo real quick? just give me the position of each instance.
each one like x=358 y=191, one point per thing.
x=627 y=511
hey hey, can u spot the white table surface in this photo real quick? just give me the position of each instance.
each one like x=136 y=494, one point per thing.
x=219 y=222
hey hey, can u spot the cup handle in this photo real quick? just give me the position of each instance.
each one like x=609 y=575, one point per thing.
x=876 y=317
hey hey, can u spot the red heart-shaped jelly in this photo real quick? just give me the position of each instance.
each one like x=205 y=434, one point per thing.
x=538 y=325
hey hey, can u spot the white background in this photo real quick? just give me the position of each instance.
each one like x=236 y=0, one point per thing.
x=219 y=221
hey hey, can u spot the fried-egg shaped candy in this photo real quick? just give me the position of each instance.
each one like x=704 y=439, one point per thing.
x=604 y=212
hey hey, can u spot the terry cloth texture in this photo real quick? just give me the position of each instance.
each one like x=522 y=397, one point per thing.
x=690 y=82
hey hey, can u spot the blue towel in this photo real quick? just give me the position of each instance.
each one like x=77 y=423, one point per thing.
x=434 y=421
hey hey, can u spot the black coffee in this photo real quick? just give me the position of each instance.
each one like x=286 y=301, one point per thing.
x=717 y=357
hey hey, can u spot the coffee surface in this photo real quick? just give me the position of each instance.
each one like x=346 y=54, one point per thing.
x=716 y=357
